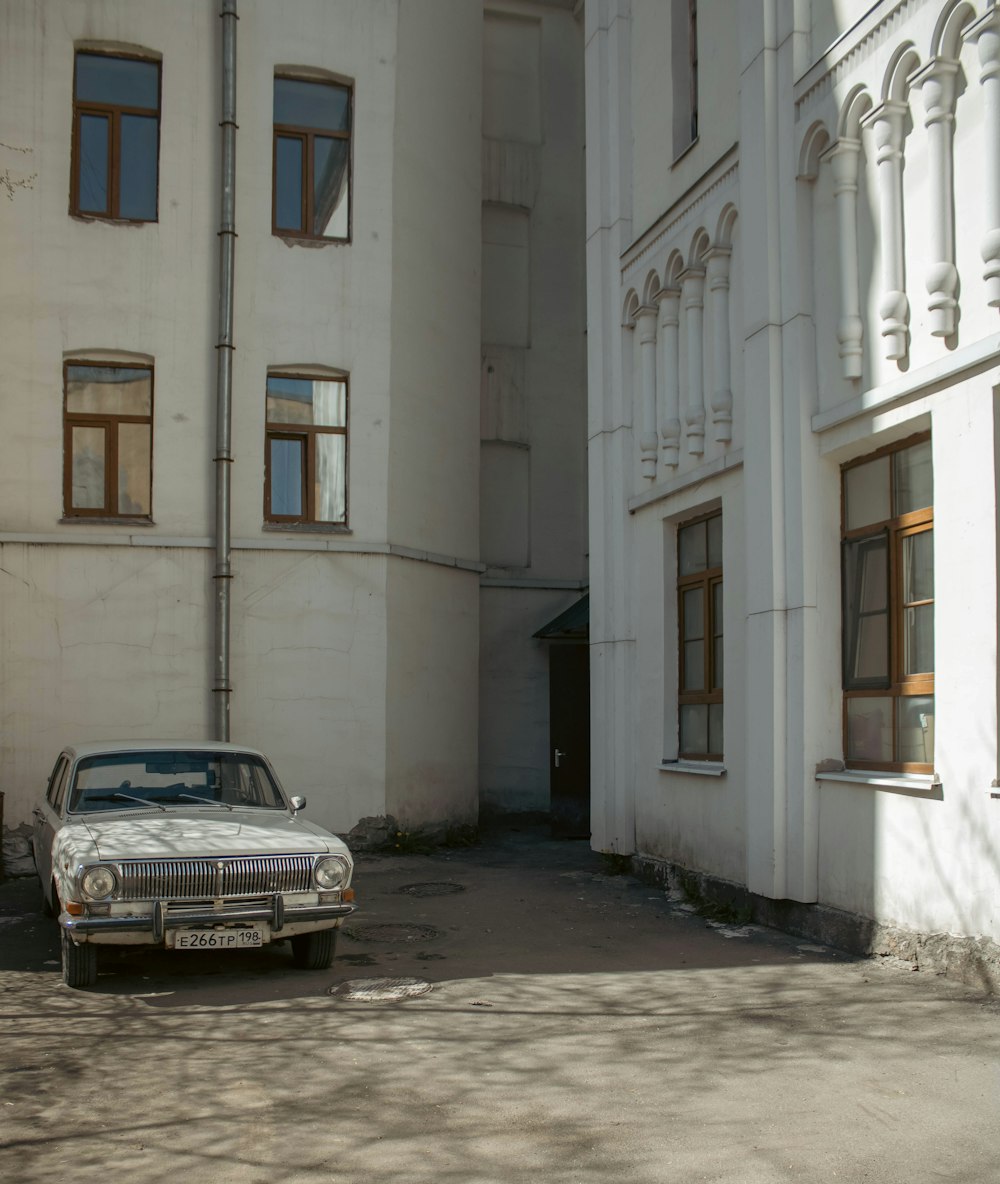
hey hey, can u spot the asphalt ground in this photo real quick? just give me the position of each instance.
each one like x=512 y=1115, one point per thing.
x=578 y=1027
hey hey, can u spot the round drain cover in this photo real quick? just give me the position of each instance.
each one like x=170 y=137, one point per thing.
x=392 y=931
x=380 y=990
x=432 y=888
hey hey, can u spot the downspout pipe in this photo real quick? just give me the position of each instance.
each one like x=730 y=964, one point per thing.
x=223 y=576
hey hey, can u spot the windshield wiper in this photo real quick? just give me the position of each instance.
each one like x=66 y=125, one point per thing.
x=190 y=797
x=127 y=797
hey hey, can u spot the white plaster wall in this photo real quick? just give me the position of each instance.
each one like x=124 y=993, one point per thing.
x=695 y=820
x=929 y=861
x=658 y=179
x=309 y=675
x=98 y=643
x=431 y=741
x=112 y=638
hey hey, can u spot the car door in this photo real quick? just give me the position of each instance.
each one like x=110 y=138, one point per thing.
x=47 y=816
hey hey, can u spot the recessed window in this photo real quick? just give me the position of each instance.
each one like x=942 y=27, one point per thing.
x=108 y=424
x=700 y=648
x=888 y=609
x=305 y=478
x=312 y=159
x=684 y=73
x=116 y=137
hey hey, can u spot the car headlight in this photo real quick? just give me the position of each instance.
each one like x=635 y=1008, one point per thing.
x=331 y=872
x=99 y=882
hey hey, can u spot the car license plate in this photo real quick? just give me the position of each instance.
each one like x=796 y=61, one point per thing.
x=217 y=939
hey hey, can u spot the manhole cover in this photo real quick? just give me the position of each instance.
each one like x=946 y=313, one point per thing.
x=432 y=888
x=380 y=990
x=399 y=931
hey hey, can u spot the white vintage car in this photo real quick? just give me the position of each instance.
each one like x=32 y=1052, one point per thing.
x=185 y=845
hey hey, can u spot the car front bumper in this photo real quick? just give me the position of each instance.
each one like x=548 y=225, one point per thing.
x=150 y=928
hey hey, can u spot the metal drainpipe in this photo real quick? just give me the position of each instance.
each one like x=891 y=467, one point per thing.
x=223 y=575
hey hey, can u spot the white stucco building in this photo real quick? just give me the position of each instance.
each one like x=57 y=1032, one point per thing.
x=794 y=348
x=391 y=159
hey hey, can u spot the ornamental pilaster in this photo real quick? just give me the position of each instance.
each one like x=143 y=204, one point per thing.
x=887 y=123
x=646 y=327
x=986 y=34
x=669 y=389
x=844 y=158
x=693 y=295
x=718 y=259
x=936 y=82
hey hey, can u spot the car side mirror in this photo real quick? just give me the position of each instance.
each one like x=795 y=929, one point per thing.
x=297 y=803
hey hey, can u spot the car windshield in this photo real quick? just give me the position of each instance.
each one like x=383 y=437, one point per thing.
x=160 y=780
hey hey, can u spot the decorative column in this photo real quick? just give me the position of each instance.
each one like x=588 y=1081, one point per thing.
x=722 y=380
x=886 y=123
x=646 y=323
x=937 y=86
x=669 y=390
x=844 y=157
x=693 y=291
x=986 y=33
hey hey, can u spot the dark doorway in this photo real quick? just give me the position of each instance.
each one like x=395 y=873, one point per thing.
x=569 y=739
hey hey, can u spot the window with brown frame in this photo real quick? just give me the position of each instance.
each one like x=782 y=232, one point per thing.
x=700 y=662
x=305 y=467
x=108 y=451
x=116 y=137
x=312 y=159
x=888 y=608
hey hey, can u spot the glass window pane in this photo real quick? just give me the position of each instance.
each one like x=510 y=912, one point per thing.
x=137 y=180
x=871 y=652
x=914 y=478
x=714 y=526
x=134 y=454
x=918 y=639
x=692 y=554
x=88 y=451
x=288 y=184
x=915 y=720
x=319 y=105
x=694 y=727
x=694 y=613
x=330 y=188
x=123 y=82
x=866 y=493
x=715 y=743
x=109 y=390
x=718 y=673
x=286 y=477
x=93 y=164
x=869 y=729
x=331 y=477
x=289 y=400
x=717 y=635
x=918 y=567
x=694 y=666
x=330 y=403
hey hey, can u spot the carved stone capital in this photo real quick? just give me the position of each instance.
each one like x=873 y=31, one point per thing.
x=936 y=83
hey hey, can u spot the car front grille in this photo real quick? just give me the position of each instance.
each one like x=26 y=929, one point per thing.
x=196 y=879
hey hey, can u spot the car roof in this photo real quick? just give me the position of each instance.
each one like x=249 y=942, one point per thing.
x=105 y=747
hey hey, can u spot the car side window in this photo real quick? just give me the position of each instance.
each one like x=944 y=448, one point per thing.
x=57 y=784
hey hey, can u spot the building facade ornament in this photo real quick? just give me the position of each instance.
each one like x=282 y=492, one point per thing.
x=693 y=293
x=887 y=123
x=936 y=82
x=645 y=319
x=669 y=390
x=986 y=34
x=718 y=259
x=844 y=157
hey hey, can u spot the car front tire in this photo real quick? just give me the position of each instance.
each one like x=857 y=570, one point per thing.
x=79 y=963
x=314 y=951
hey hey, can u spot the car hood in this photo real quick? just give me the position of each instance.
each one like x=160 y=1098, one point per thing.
x=201 y=833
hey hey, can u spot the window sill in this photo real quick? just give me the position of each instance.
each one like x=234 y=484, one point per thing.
x=307 y=527
x=912 y=782
x=698 y=768
x=84 y=520
x=305 y=240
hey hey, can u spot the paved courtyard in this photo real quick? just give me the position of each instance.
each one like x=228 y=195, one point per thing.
x=580 y=1027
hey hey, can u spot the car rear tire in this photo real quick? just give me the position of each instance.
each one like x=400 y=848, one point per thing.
x=314 y=951
x=79 y=963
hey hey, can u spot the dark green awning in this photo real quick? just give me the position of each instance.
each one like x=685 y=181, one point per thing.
x=571 y=625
